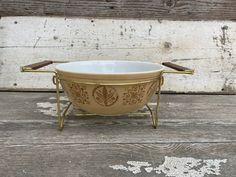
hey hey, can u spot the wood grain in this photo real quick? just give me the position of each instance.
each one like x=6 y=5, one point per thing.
x=93 y=160
x=207 y=47
x=195 y=126
x=164 y=9
x=183 y=118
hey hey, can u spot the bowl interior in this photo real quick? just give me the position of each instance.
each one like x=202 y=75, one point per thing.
x=109 y=67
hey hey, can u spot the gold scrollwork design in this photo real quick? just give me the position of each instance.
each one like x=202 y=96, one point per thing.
x=78 y=93
x=134 y=94
x=152 y=88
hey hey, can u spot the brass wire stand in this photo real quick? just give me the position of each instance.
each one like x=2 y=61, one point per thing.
x=61 y=114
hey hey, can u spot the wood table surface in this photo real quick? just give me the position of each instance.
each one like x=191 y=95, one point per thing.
x=197 y=129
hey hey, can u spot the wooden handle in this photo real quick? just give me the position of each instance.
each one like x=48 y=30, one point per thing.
x=38 y=65
x=176 y=67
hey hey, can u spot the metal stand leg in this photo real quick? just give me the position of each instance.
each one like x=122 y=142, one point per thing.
x=61 y=122
x=154 y=114
x=60 y=117
x=151 y=114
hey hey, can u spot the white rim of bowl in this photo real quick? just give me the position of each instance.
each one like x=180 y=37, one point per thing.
x=125 y=73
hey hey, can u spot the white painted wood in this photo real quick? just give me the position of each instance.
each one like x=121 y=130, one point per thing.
x=175 y=166
x=208 y=47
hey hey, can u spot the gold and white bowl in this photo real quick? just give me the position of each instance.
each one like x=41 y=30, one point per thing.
x=109 y=87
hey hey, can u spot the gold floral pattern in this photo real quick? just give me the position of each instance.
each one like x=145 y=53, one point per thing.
x=134 y=94
x=152 y=88
x=105 y=95
x=78 y=93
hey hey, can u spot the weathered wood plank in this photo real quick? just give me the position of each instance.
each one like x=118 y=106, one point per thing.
x=165 y=9
x=95 y=160
x=108 y=131
x=196 y=137
x=208 y=47
x=209 y=108
x=183 y=118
